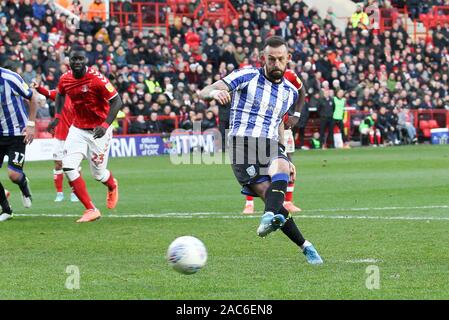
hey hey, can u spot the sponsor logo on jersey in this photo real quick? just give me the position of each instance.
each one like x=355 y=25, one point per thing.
x=109 y=87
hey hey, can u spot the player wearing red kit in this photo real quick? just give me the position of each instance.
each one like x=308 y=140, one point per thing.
x=95 y=105
x=288 y=142
x=60 y=134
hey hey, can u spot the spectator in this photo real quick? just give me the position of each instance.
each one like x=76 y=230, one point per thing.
x=386 y=128
x=76 y=8
x=138 y=126
x=209 y=122
x=29 y=73
x=140 y=109
x=23 y=10
x=188 y=123
x=368 y=129
x=339 y=104
x=405 y=121
x=96 y=9
x=302 y=124
x=168 y=125
x=39 y=9
x=326 y=111
x=43 y=111
x=359 y=18
x=153 y=125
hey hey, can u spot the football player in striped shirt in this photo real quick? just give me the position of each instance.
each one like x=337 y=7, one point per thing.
x=289 y=143
x=17 y=127
x=259 y=99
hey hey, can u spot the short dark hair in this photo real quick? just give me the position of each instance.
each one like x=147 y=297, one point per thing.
x=77 y=49
x=275 y=42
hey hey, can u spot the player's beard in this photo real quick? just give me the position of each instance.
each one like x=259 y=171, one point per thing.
x=78 y=69
x=275 y=74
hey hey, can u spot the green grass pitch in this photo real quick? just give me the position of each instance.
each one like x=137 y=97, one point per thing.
x=362 y=208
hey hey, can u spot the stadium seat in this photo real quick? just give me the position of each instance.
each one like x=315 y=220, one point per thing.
x=426 y=133
x=424 y=127
x=433 y=124
x=424 y=124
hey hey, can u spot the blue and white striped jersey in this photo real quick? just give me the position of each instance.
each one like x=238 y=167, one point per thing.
x=13 y=113
x=257 y=104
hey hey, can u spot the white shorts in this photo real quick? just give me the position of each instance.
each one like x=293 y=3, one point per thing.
x=289 y=141
x=58 y=149
x=80 y=145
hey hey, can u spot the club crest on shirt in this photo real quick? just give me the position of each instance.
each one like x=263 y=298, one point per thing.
x=251 y=171
x=285 y=95
x=109 y=87
x=85 y=88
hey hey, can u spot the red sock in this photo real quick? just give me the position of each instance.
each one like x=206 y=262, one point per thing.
x=79 y=189
x=290 y=189
x=371 y=138
x=249 y=198
x=378 y=138
x=58 y=178
x=110 y=183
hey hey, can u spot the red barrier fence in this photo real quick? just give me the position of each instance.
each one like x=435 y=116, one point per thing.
x=438 y=15
x=140 y=14
x=390 y=16
x=424 y=120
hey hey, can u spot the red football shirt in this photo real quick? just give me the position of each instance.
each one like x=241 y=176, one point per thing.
x=291 y=76
x=66 y=118
x=90 y=97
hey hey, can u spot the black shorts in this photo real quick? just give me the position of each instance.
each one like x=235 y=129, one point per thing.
x=251 y=158
x=14 y=148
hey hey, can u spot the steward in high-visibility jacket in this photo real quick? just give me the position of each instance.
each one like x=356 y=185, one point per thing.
x=360 y=19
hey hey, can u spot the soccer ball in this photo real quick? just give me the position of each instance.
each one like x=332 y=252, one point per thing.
x=187 y=254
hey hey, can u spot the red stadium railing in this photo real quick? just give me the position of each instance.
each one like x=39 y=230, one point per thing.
x=213 y=10
x=432 y=119
x=155 y=14
x=140 y=14
x=424 y=120
x=389 y=16
x=183 y=8
x=439 y=15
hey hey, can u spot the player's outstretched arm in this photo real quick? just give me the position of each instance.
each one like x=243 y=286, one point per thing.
x=293 y=120
x=218 y=91
x=115 y=106
x=31 y=124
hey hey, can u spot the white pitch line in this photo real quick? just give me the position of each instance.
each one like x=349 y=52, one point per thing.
x=377 y=209
x=229 y=215
x=367 y=260
x=208 y=215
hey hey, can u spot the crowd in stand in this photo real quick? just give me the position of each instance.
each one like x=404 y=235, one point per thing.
x=158 y=75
